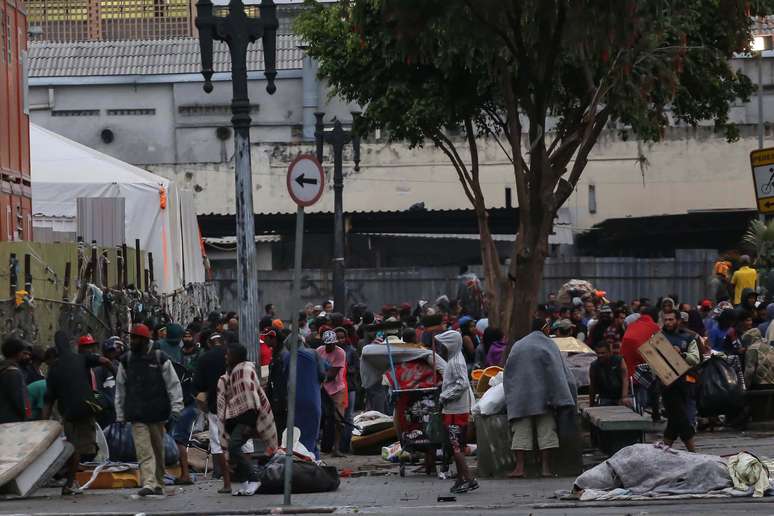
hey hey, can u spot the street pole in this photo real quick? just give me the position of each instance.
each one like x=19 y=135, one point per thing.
x=239 y=31
x=761 y=216
x=292 y=373
x=337 y=138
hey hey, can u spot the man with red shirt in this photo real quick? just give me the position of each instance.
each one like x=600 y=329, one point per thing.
x=636 y=335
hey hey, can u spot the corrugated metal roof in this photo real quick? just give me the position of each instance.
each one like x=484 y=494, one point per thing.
x=157 y=57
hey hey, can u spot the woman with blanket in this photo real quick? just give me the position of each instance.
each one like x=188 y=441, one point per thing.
x=245 y=412
x=536 y=382
x=457 y=400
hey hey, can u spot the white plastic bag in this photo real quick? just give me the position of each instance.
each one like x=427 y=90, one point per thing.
x=492 y=402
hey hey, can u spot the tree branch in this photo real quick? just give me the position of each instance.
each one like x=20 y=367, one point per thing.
x=443 y=143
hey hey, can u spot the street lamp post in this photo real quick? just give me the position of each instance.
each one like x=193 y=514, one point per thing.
x=338 y=138
x=238 y=31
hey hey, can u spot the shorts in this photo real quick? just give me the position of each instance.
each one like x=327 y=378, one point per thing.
x=216 y=429
x=181 y=432
x=340 y=401
x=82 y=435
x=523 y=437
x=456 y=426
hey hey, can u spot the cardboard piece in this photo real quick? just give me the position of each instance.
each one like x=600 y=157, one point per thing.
x=665 y=362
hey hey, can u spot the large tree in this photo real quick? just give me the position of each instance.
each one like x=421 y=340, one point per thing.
x=543 y=78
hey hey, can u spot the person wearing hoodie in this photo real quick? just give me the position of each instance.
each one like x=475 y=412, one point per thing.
x=13 y=393
x=749 y=298
x=69 y=385
x=457 y=400
x=170 y=344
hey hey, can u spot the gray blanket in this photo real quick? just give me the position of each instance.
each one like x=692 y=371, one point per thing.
x=536 y=378
x=644 y=469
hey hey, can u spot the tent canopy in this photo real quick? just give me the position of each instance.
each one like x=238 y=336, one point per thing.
x=64 y=170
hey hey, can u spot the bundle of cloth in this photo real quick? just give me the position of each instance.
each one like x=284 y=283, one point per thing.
x=646 y=471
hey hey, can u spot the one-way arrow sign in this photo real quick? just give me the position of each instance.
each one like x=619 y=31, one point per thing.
x=301 y=180
x=305 y=180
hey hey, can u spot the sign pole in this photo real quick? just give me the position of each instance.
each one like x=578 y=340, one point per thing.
x=294 y=338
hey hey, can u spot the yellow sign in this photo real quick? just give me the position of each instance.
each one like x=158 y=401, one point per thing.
x=762 y=163
x=766 y=205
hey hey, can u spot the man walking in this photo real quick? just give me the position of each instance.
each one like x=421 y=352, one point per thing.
x=679 y=397
x=181 y=433
x=148 y=393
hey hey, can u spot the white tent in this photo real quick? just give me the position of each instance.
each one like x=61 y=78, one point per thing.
x=64 y=170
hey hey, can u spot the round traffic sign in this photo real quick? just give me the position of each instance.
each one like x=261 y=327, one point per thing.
x=305 y=180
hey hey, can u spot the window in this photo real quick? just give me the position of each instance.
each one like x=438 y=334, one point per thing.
x=592 y=198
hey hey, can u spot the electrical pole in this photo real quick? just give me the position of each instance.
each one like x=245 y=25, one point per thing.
x=238 y=31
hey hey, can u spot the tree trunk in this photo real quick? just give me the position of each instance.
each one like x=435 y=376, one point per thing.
x=493 y=274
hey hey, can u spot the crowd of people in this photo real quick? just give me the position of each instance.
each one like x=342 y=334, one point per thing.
x=164 y=377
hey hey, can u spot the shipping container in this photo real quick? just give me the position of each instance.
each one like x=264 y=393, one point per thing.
x=15 y=186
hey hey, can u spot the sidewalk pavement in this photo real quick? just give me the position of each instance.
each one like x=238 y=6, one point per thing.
x=384 y=492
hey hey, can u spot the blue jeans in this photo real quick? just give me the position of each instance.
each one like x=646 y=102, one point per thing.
x=346 y=432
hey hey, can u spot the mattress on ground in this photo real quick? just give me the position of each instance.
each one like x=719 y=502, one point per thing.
x=22 y=443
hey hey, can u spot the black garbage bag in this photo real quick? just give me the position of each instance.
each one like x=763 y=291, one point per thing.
x=720 y=391
x=121 y=444
x=308 y=477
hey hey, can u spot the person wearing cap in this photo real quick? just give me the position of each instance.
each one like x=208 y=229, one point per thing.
x=334 y=390
x=170 y=342
x=680 y=396
x=148 y=393
x=69 y=386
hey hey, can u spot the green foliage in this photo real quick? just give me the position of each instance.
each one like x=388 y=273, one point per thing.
x=759 y=240
x=423 y=66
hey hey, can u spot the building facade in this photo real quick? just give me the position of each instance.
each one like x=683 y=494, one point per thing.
x=15 y=203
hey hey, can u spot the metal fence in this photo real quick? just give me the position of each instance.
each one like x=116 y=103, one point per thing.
x=625 y=278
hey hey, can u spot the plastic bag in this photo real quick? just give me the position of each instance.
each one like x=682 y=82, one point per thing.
x=492 y=402
x=719 y=389
x=392 y=452
x=308 y=477
x=121 y=444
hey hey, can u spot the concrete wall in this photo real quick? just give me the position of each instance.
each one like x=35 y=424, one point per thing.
x=690 y=170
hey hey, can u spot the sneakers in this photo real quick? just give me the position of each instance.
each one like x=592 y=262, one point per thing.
x=244 y=488
x=461 y=487
x=251 y=488
x=238 y=488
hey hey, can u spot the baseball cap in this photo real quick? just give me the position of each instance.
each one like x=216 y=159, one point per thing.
x=86 y=340
x=563 y=324
x=112 y=344
x=329 y=337
x=140 y=330
x=706 y=304
x=277 y=324
x=606 y=309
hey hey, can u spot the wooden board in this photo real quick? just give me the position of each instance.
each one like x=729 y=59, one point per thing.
x=665 y=362
x=618 y=418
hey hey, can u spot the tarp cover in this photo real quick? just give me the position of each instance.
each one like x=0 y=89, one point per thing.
x=64 y=170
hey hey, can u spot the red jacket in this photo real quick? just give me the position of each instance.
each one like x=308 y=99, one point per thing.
x=636 y=335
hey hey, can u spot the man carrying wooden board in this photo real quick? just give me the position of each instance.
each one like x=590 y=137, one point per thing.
x=671 y=353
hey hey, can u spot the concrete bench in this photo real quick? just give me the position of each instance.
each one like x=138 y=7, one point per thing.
x=761 y=403
x=617 y=427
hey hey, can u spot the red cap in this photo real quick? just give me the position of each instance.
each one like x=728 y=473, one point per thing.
x=86 y=340
x=141 y=331
x=706 y=303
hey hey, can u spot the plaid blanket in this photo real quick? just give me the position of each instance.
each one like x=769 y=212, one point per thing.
x=239 y=391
